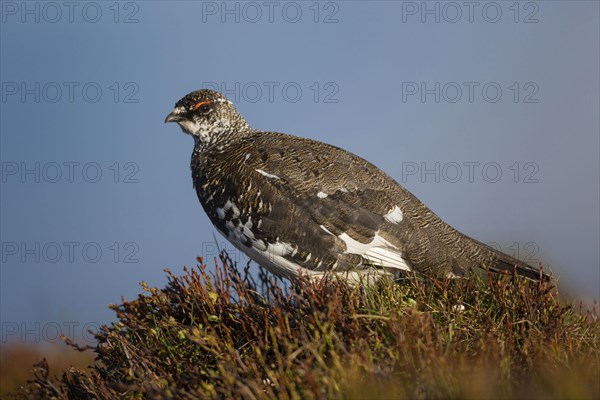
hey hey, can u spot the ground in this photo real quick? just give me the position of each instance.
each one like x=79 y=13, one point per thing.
x=222 y=334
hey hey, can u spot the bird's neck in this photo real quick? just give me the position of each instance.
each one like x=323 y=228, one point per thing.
x=219 y=143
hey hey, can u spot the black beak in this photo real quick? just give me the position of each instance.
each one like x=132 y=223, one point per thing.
x=173 y=117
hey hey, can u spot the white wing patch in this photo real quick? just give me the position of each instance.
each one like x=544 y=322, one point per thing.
x=394 y=216
x=268 y=175
x=325 y=229
x=386 y=258
x=270 y=255
x=378 y=252
x=322 y=195
x=228 y=205
x=273 y=257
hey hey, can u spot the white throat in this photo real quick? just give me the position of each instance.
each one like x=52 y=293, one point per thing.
x=205 y=132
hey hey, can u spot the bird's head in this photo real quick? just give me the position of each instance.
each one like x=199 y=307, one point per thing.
x=207 y=116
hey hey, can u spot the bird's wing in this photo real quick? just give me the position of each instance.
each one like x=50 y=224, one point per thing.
x=323 y=208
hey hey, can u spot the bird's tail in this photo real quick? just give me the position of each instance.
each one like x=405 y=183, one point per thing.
x=497 y=261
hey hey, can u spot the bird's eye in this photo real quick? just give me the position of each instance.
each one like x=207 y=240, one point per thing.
x=203 y=106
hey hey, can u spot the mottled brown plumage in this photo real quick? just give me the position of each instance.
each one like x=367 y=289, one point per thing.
x=297 y=205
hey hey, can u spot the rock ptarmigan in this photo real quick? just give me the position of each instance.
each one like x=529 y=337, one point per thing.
x=301 y=207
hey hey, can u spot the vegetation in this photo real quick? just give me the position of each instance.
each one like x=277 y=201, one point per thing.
x=225 y=335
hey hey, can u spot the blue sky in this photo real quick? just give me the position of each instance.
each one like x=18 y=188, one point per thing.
x=488 y=114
